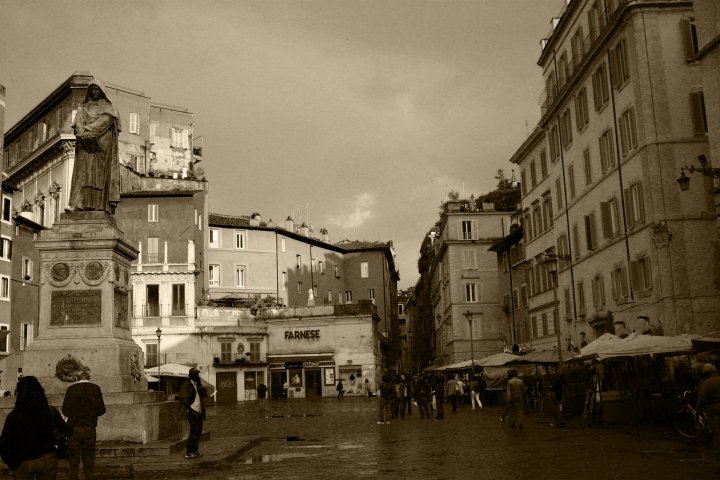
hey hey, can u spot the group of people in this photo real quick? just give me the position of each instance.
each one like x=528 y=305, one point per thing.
x=399 y=392
x=34 y=429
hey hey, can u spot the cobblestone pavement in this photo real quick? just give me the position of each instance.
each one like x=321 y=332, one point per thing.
x=332 y=439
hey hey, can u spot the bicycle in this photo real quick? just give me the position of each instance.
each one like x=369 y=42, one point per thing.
x=690 y=420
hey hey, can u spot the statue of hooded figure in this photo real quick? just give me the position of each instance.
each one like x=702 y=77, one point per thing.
x=96 y=175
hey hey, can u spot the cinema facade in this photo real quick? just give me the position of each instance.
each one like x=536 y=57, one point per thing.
x=310 y=348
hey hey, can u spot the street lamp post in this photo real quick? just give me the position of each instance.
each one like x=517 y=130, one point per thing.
x=469 y=316
x=158 y=332
x=704 y=169
x=551 y=263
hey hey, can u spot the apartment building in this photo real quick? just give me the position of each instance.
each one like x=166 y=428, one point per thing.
x=465 y=284
x=622 y=113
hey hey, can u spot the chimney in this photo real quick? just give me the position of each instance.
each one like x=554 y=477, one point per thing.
x=271 y=224
x=324 y=235
x=304 y=230
x=289 y=224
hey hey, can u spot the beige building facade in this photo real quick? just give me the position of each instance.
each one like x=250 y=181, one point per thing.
x=622 y=113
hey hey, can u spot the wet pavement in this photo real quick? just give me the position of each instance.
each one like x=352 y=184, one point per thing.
x=333 y=439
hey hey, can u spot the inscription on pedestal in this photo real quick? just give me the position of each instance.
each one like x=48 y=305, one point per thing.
x=76 y=307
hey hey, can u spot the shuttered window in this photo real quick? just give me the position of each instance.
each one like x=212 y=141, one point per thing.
x=607 y=150
x=619 y=72
x=134 y=123
x=628 y=131
x=582 y=117
x=697 y=109
x=641 y=275
x=634 y=205
x=690 y=38
x=601 y=92
x=590 y=232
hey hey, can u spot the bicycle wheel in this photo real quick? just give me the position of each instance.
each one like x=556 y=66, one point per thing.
x=686 y=423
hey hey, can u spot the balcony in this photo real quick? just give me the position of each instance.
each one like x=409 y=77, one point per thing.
x=221 y=360
x=152 y=310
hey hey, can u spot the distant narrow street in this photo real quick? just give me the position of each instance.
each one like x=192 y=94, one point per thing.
x=341 y=440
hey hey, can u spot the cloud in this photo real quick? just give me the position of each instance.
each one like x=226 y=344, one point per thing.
x=360 y=211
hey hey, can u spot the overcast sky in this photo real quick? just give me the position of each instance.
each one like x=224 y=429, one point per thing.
x=365 y=113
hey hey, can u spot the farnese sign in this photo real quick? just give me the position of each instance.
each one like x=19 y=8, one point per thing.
x=302 y=334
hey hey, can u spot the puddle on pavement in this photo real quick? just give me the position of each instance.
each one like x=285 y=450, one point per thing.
x=276 y=457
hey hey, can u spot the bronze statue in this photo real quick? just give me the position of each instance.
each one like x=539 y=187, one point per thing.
x=96 y=175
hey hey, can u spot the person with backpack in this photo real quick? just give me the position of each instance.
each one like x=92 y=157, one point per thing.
x=340 y=389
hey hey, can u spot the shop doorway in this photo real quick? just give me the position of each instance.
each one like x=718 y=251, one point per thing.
x=226 y=387
x=276 y=382
x=313 y=384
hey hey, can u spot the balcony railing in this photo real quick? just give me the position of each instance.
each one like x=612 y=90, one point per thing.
x=230 y=359
x=163 y=310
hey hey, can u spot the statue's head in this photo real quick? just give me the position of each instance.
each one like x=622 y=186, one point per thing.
x=95 y=93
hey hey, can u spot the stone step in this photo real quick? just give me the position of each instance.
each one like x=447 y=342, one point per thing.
x=157 y=448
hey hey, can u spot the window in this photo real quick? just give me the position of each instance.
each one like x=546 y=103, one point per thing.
x=364 y=270
x=516 y=300
x=469 y=259
x=152 y=297
x=348 y=296
x=226 y=353
x=178 y=300
x=284 y=281
x=699 y=116
x=571 y=180
x=329 y=297
x=299 y=287
x=576 y=240
x=340 y=297
x=537 y=220
x=581 y=298
x=543 y=163
x=298 y=260
x=134 y=123
x=628 y=131
x=607 y=151
x=566 y=128
x=523 y=295
x=588 y=166
x=214 y=275
x=601 y=92
x=689 y=30
x=590 y=232
x=549 y=324
x=371 y=294
x=634 y=205
x=577 y=47
x=582 y=117
x=568 y=304
x=214 y=238
x=554 y=141
x=559 y=192
x=337 y=271
x=179 y=138
x=533 y=174
x=153 y=128
x=523 y=185
x=240 y=239
x=620 y=290
x=152 y=213
x=151 y=355
x=6 y=209
x=321 y=267
x=240 y=276
x=254 y=351
x=596 y=20
x=527 y=226
x=27 y=269
x=471 y=292
x=598 y=291
x=26 y=335
x=282 y=245
x=610 y=218
x=547 y=213
x=619 y=71
x=466 y=230
x=5 y=248
x=562 y=249
x=641 y=275
x=152 y=251
x=563 y=70
x=4 y=287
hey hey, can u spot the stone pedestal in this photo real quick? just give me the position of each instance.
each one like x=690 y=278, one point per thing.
x=84 y=299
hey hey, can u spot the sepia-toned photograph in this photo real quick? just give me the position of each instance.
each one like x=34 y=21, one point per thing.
x=350 y=239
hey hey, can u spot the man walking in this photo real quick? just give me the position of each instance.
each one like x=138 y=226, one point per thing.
x=452 y=392
x=261 y=394
x=515 y=399
x=191 y=397
x=82 y=406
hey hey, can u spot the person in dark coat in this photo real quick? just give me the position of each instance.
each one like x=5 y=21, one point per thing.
x=27 y=444
x=440 y=398
x=191 y=396
x=261 y=395
x=82 y=406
